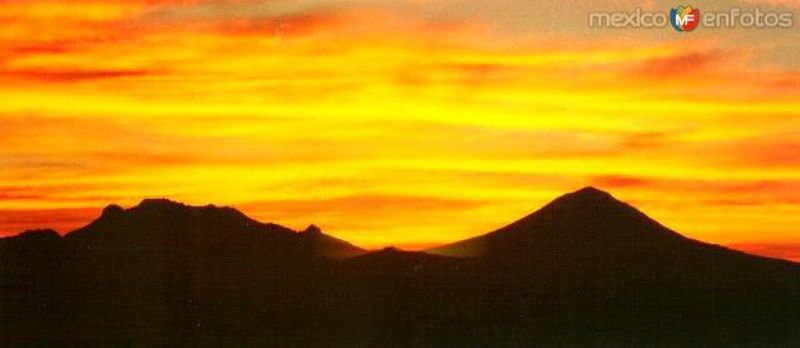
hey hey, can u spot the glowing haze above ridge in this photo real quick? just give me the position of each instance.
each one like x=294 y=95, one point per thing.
x=410 y=123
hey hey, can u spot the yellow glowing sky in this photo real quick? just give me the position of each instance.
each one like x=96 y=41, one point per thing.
x=411 y=123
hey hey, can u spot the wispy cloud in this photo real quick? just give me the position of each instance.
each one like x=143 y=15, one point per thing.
x=441 y=119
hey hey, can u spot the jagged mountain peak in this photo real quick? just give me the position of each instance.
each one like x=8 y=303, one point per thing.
x=163 y=223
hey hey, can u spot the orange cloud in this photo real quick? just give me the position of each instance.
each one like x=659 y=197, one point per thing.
x=384 y=125
x=676 y=66
x=70 y=75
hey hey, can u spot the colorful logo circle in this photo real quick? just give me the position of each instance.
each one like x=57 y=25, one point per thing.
x=684 y=18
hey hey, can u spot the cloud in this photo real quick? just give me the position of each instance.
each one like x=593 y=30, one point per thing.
x=620 y=181
x=717 y=193
x=679 y=65
x=384 y=117
x=776 y=149
x=358 y=204
x=786 y=82
x=68 y=76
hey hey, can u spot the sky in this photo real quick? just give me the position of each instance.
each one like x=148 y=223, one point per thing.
x=410 y=123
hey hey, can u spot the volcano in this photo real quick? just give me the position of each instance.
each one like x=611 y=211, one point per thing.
x=590 y=229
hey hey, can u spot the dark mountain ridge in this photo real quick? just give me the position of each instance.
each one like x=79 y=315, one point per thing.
x=161 y=223
x=585 y=269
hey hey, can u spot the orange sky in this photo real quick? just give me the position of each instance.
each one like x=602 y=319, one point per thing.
x=401 y=122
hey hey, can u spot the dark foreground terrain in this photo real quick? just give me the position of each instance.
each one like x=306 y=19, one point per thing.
x=584 y=270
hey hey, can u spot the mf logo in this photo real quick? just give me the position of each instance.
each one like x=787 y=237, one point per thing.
x=684 y=18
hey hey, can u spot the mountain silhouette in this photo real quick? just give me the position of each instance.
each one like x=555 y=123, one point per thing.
x=319 y=244
x=590 y=229
x=586 y=269
x=161 y=224
x=588 y=223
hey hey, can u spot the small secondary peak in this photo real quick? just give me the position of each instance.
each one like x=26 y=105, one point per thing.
x=40 y=234
x=312 y=230
x=111 y=211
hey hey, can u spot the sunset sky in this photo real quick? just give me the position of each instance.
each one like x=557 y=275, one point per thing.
x=398 y=122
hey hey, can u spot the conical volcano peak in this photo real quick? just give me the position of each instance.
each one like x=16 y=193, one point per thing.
x=585 y=224
x=588 y=198
x=589 y=193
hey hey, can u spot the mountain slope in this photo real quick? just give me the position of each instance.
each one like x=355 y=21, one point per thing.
x=162 y=274
x=589 y=226
x=587 y=219
x=585 y=270
x=323 y=245
x=163 y=224
x=589 y=269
